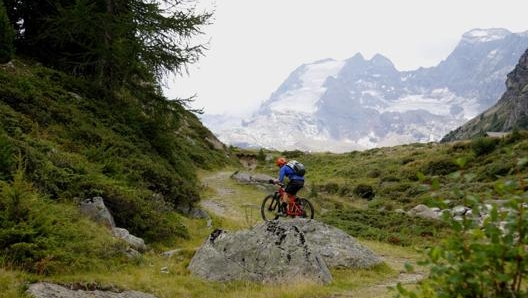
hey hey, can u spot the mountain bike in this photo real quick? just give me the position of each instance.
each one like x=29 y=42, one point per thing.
x=272 y=207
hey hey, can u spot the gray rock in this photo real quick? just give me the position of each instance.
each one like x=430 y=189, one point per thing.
x=244 y=177
x=423 y=211
x=279 y=251
x=95 y=209
x=134 y=241
x=337 y=248
x=49 y=290
x=270 y=252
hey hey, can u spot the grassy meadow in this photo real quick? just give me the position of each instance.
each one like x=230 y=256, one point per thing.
x=63 y=139
x=399 y=177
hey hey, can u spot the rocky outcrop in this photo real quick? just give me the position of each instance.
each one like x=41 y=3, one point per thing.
x=49 y=290
x=95 y=209
x=280 y=251
x=511 y=111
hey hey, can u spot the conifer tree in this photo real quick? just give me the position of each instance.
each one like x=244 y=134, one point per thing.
x=116 y=42
x=7 y=35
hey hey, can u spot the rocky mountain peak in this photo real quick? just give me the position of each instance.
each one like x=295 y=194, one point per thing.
x=510 y=112
x=357 y=104
x=485 y=35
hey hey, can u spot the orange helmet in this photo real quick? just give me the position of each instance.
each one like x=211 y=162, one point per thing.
x=280 y=161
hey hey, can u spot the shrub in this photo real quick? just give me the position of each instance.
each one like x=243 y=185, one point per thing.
x=46 y=237
x=481 y=259
x=141 y=213
x=385 y=226
x=495 y=169
x=6 y=158
x=483 y=145
x=460 y=146
x=375 y=173
x=441 y=166
x=292 y=154
x=261 y=156
x=397 y=192
x=390 y=178
x=330 y=187
x=364 y=191
x=345 y=190
x=410 y=174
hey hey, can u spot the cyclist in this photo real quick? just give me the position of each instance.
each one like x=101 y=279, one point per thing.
x=295 y=183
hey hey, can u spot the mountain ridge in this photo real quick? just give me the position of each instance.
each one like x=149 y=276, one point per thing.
x=509 y=113
x=357 y=104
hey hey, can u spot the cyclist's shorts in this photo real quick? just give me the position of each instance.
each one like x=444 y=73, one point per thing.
x=294 y=186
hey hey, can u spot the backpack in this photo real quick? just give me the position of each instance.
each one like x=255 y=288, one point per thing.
x=297 y=167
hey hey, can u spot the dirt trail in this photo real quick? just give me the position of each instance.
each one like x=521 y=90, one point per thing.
x=218 y=203
x=224 y=203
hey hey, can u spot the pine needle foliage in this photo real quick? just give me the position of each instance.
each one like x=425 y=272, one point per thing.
x=7 y=36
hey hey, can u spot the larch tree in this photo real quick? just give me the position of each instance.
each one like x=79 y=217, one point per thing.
x=7 y=36
x=115 y=42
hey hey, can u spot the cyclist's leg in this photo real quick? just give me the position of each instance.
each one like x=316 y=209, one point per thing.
x=291 y=190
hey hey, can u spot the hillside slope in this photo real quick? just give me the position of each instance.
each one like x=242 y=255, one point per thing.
x=511 y=111
x=64 y=139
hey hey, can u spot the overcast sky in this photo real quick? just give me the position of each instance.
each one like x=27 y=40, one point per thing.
x=256 y=44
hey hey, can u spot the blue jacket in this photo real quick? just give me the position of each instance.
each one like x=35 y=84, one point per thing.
x=288 y=172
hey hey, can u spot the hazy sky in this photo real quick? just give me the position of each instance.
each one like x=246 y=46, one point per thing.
x=256 y=44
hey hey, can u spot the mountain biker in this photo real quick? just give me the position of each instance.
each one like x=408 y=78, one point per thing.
x=295 y=182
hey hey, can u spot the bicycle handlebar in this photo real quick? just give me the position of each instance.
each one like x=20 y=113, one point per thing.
x=271 y=181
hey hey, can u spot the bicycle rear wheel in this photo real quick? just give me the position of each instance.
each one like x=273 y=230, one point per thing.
x=270 y=208
x=307 y=207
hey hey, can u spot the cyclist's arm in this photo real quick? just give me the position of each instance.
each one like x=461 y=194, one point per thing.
x=282 y=173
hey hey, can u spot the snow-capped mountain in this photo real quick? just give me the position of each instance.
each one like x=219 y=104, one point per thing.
x=357 y=104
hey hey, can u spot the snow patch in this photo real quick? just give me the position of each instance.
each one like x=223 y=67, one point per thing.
x=304 y=99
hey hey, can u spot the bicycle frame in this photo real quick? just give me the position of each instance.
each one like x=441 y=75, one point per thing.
x=272 y=208
x=293 y=208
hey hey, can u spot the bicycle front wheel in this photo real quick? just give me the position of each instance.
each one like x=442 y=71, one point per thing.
x=307 y=207
x=270 y=208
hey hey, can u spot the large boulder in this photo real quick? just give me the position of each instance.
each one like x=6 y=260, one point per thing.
x=338 y=249
x=279 y=251
x=49 y=290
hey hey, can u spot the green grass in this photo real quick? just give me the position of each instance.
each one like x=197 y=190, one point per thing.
x=62 y=140
x=374 y=222
x=145 y=273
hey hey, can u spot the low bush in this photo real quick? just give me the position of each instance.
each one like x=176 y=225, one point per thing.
x=483 y=145
x=46 y=237
x=481 y=259
x=441 y=166
x=364 y=191
x=331 y=188
x=7 y=160
x=386 y=226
